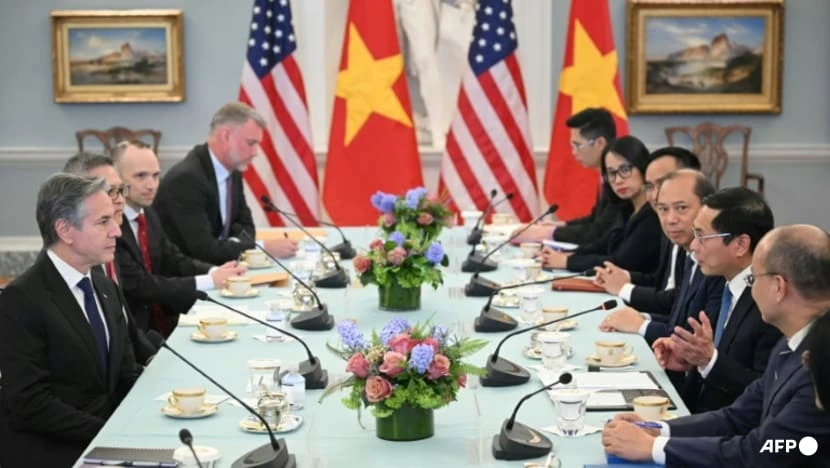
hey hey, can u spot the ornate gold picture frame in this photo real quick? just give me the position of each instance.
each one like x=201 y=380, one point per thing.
x=117 y=56
x=704 y=56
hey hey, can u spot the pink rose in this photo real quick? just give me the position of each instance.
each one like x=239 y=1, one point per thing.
x=462 y=380
x=424 y=218
x=376 y=244
x=396 y=256
x=432 y=342
x=439 y=368
x=393 y=363
x=389 y=219
x=361 y=263
x=358 y=365
x=377 y=389
x=433 y=198
x=400 y=343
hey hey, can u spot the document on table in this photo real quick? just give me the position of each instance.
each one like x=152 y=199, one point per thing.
x=614 y=381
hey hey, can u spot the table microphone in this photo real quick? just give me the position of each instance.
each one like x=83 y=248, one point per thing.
x=187 y=438
x=495 y=320
x=482 y=287
x=519 y=442
x=332 y=279
x=317 y=319
x=475 y=234
x=344 y=248
x=315 y=376
x=271 y=455
x=504 y=373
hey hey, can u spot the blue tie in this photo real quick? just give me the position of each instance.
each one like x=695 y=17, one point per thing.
x=95 y=321
x=725 y=305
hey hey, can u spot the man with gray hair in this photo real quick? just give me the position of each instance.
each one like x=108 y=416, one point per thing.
x=201 y=201
x=65 y=354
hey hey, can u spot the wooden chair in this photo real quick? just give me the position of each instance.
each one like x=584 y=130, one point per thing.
x=708 y=144
x=112 y=136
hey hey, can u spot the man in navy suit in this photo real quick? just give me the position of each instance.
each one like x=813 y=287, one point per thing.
x=65 y=352
x=790 y=282
x=721 y=358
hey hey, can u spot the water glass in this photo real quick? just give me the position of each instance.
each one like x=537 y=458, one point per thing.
x=264 y=376
x=571 y=404
x=554 y=350
x=531 y=303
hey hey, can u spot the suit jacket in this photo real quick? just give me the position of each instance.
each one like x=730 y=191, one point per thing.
x=171 y=284
x=632 y=243
x=56 y=396
x=779 y=405
x=649 y=293
x=743 y=353
x=591 y=228
x=188 y=206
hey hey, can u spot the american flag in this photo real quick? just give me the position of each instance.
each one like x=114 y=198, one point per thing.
x=273 y=85
x=489 y=146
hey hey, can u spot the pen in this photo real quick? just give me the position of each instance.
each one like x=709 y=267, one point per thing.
x=648 y=424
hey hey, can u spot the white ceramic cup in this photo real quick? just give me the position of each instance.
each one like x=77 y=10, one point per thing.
x=530 y=249
x=254 y=257
x=187 y=400
x=239 y=285
x=213 y=327
x=554 y=313
x=612 y=352
x=651 y=407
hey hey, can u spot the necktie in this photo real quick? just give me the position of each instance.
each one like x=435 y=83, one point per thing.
x=110 y=268
x=160 y=322
x=725 y=305
x=95 y=321
x=226 y=228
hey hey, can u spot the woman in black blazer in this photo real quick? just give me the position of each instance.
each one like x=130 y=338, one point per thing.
x=633 y=242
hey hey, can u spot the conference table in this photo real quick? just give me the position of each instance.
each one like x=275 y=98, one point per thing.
x=330 y=434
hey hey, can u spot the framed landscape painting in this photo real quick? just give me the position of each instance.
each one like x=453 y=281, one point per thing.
x=704 y=56
x=117 y=56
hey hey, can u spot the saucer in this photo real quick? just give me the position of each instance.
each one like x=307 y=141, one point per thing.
x=532 y=353
x=500 y=301
x=627 y=360
x=258 y=266
x=289 y=423
x=253 y=292
x=205 y=411
x=201 y=338
x=564 y=325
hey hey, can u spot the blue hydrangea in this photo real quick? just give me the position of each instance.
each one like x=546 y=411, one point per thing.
x=395 y=327
x=440 y=333
x=421 y=358
x=414 y=196
x=397 y=237
x=383 y=202
x=376 y=199
x=435 y=253
x=351 y=336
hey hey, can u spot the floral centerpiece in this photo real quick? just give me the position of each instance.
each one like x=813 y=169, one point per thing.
x=408 y=254
x=403 y=373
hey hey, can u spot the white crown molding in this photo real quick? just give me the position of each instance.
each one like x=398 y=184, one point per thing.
x=772 y=153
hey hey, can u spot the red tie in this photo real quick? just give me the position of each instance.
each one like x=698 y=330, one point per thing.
x=160 y=322
x=111 y=272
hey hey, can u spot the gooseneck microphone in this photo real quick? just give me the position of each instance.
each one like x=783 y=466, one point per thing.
x=187 y=438
x=271 y=455
x=475 y=234
x=317 y=319
x=504 y=373
x=519 y=442
x=333 y=279
x=344 y=248
x=315 y=376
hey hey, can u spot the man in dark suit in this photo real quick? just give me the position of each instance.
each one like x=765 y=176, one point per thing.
x=791 y=284
x=98 y=165
x=159 y=281
x=721 y=358
x=65 y=353
x=592 y=130
x=201 y=201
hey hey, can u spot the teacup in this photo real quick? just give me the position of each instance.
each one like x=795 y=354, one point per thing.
x=651 y=407
x=239 y=285
x=255 y=257
x=213 y=327
x=612 y=352
x=530 y=249
x=187 y=400
x=550 y=314
x=500 y=219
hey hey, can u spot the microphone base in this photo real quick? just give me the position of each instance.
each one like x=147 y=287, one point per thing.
x=345 y=249
x=266 y=457
x=520 y=443
x=474 y=238
x=494 y=320
x=316 y=377
x=480 y=287
x=476 y=264
x=336 y=279
x=504 y=373
x=315 y=320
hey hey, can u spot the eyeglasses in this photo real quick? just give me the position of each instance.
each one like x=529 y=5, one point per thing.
x=623 y=171
x=700 y=237
x=750 y=278
x=115 y=190
x=579 y=146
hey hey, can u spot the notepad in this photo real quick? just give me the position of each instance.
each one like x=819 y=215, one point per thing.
x=130 y=456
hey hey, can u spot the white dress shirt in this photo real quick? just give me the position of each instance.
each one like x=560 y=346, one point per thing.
x=628 y=288
x=222 y=175
x=689 y=256
x=736 y=286
x=72 y=276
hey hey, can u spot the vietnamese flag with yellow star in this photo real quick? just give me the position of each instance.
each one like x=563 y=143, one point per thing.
x=590 y=78
x=372 y=143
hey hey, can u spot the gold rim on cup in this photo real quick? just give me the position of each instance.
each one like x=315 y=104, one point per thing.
x=189 y=392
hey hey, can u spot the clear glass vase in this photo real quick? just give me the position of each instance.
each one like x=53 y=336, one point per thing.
x=397 y=298
x=406 y=423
